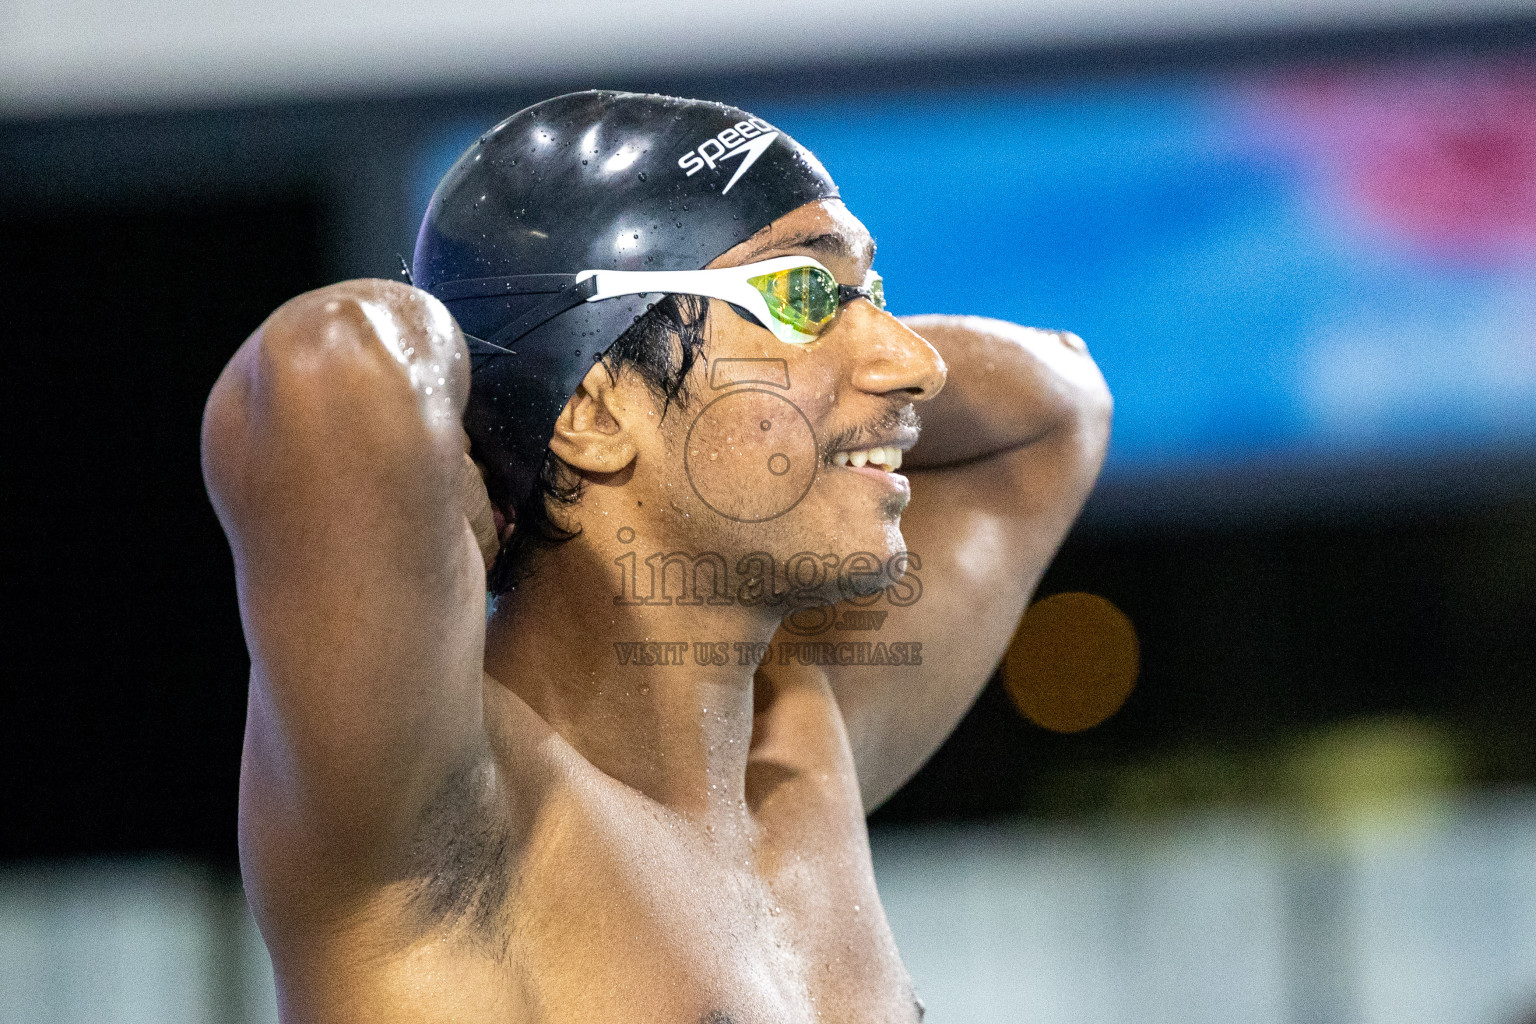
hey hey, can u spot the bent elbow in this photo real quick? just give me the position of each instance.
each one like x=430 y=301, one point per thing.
x=357 y=365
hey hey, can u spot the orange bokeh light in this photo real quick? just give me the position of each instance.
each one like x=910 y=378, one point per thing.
x=1073 y=662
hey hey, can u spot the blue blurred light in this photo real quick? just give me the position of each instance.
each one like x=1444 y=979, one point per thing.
x=1243 y=303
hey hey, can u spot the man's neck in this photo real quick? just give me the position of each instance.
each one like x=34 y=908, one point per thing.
x=623 y=683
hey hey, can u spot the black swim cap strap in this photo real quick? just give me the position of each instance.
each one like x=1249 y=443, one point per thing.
x=480 y=350
x=569 y=296
x=846 y=293
x=490 y=287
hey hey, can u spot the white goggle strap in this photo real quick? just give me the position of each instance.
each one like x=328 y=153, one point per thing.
x=729 y=284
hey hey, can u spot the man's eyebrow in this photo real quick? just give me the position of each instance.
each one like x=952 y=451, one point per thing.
x=826 y=243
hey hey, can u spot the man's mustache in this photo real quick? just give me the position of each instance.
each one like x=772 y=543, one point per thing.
x=899 y=425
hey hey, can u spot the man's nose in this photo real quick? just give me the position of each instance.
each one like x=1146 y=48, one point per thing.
x=888 y=356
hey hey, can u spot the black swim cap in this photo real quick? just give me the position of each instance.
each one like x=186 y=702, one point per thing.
x=587 y=181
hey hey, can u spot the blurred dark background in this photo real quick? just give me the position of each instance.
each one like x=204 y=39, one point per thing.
x=1300 y=242
x=139 y=249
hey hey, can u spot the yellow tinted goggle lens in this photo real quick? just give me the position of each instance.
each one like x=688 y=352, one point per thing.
x=877 y=290
x=805 y=298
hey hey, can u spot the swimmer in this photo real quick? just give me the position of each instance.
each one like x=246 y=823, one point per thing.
x=755 y=545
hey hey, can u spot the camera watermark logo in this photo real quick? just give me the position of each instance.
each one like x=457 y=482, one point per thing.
x=750 y=454
x=895 y=654
x=818 y=592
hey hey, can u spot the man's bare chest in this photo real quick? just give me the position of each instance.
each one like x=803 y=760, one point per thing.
x=617 y=909
x=607 y=906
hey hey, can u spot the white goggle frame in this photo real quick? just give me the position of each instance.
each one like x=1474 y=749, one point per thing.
x=729 y=284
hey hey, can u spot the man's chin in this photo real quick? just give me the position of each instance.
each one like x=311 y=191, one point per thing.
x=892 y=507
x=836 y=531
x=854 y=587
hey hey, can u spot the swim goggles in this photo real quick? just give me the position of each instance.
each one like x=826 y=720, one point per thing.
x=795 y=297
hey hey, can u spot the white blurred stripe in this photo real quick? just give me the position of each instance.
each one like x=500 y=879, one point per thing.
x=121 y=942
x=1181 y=925
x=70 y=55
x=1426 y=915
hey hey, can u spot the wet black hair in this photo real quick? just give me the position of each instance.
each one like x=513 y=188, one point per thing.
x=662 y=348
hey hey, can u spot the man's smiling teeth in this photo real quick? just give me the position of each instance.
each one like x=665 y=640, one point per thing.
x=887 y=458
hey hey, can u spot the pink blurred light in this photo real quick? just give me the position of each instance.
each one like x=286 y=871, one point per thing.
x=1443 y=160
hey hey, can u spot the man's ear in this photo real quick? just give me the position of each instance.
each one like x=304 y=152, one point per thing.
x=595 y=431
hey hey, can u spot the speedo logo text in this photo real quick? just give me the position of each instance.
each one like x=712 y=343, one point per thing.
x=747 y=139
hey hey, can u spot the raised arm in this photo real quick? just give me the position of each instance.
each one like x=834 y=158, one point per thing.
x=1008 y=453
x=333 y=452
